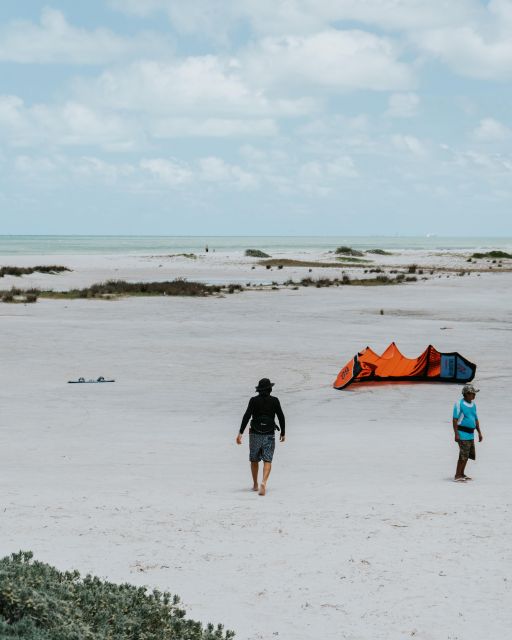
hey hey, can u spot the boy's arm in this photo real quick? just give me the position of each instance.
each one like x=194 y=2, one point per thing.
x=480 y=436
x=455 y=425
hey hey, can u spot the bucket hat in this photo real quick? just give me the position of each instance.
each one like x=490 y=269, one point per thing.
x=264 y=385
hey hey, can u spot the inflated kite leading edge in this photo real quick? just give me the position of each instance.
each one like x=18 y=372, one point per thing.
x=431 y=366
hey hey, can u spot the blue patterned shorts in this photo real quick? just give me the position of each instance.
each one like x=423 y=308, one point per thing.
x=261 y=447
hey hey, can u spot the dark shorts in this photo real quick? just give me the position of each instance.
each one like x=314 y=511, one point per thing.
x=261 y=447
x=467 y=450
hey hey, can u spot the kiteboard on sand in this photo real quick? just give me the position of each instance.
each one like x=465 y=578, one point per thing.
x=84 y=381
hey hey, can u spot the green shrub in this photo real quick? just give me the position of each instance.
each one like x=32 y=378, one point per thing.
x=348 y=251
x=492 y=254
x=380 y=252
x=256 y=253
x=21 y=271
x=38 y=602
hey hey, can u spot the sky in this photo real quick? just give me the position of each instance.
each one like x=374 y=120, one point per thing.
x=256 y=117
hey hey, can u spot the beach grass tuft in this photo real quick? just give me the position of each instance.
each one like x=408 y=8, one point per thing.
x=256 y=253
x=492 y=254
x=23 y=271
x=117 y=288
x=288 y=262
x=379 y=252
x=348 y=251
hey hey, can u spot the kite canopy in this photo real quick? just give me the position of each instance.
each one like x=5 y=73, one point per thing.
x=430 y=366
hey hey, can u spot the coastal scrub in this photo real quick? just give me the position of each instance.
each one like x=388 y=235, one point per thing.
x=22 y=271
x=39 y=602
x=256 y=253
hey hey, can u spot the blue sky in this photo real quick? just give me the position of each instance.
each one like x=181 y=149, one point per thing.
x=264 y=117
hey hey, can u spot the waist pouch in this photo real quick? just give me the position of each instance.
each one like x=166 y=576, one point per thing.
x=466 y=429
x=264 y=425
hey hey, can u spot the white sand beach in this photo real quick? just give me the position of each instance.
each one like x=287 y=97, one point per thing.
x=362 y=534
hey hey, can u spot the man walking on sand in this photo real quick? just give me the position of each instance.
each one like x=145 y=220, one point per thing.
x=465 y=421
x=262 y=408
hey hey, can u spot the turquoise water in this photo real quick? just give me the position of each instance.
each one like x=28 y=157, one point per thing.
x=137 y=245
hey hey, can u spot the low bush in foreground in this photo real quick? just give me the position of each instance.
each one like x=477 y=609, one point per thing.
x=38 y=602
x=256 y=253
x=23 y=271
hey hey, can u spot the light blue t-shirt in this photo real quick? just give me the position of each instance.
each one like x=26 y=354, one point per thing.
x=466 y=416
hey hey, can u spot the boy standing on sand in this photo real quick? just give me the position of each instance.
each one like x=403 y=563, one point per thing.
x=262 y=408
x=465 y=421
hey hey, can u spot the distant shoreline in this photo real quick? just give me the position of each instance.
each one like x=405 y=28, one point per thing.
x=18 y=245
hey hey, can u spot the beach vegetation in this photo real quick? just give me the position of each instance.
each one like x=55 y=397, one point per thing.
x=190 y=256
x=15 y=295
x=352 y=259
x=39 y=602
x=256 y=253
x=288 y=262
x=345 y=280
x=379 y=252
x=348 y=251
x=23 y=271
x=491 y=254
x=117 y=288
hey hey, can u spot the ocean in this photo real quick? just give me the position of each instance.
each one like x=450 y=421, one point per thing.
x=140 y=245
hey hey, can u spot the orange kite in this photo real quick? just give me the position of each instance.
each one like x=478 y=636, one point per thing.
x=430 y=366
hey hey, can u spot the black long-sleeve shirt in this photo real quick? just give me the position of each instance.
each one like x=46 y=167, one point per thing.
x=263 y=409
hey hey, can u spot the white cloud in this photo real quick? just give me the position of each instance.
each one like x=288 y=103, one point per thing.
x=171 y=172
x=411 y=144
x=478 y=49
x=212 y=127
x=403 y=105
x=213 y=169
x=470 y=53
x=490 y=130
x=66 y=124
x=344 y=60
x=56 y=41
x=196 y=85
x=58 y=169
x=322 y=178
x=303 y=16
x=496 y=164
x=147 y=174
x=108 y=172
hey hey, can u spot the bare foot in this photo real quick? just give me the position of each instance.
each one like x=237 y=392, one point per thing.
x=255 y=487
x=262 y=489
x=467 y=477
x=459 y=479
